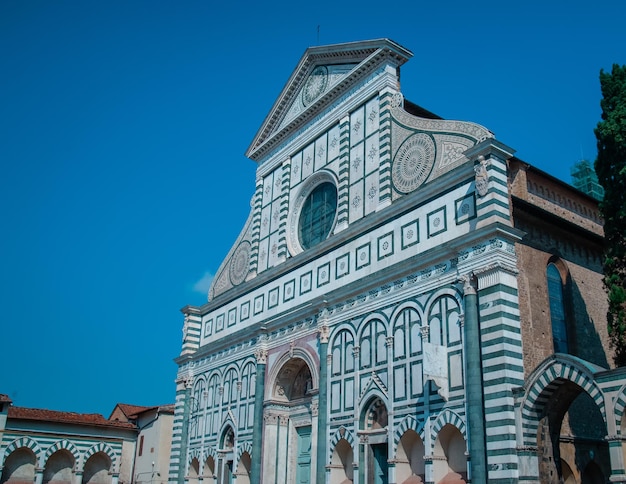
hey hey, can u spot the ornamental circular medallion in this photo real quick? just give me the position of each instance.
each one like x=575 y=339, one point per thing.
x=315 y=85
x=413 y=162
x=240 y=264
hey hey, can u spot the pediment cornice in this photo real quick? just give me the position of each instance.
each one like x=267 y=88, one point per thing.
x=361 y=57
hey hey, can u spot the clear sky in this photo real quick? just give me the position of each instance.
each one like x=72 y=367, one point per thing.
x=123 y=128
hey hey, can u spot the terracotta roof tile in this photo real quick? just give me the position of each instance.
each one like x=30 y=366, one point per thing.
x=4 y=398
x=133 y=410
x=66 y=417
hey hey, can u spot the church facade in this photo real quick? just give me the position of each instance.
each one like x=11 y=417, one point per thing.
x=407 y=302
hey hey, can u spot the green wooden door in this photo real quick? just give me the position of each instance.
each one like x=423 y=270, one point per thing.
x=303 y=470
x=380 y=467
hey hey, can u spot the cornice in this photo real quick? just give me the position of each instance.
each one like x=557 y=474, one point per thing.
x=368 y=55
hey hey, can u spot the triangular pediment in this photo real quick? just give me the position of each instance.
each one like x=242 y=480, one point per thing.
x=323 y=74
x=373 y=384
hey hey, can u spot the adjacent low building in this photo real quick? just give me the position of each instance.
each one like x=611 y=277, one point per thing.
x=55 y=447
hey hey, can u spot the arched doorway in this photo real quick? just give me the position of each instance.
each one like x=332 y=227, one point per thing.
x=374 y=456
x=593 y=474
x=570 y=437
x=227 y=455
x=19 y=467
x=288 y=452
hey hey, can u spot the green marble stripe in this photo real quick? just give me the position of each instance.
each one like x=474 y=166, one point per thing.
x=493 y=213
x=504 y=394
x=508 y=380
x=506 y=316
x=498 y=288
x=503 y=353
x=504 y=366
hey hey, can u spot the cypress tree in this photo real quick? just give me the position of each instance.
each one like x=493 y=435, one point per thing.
x=610 y=167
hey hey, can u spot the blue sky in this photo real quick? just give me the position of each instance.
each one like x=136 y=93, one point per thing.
x=123 y=128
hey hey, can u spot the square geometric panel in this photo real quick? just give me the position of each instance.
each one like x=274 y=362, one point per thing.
x=410 y=234
x=289 y=290
x=465 y=208
x=363 y=256
x=258 y=304
x=305 y=282
x=219 y=323
x=244 y=311
x=323 y=274
x=436 y=221
x=342 y=265
x=232 y=316
x=208 y=327
x=272 y=298
x=385 y=245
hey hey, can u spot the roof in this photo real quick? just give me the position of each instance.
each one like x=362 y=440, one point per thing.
x=131 y=412
x=65 y=417
x=4 y=398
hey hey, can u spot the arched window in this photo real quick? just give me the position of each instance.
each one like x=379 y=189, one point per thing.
x=373 y=344
x=557 y=309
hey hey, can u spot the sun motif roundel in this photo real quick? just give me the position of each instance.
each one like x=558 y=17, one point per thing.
x=240 y=263
x=413 y=162
x=315 y=85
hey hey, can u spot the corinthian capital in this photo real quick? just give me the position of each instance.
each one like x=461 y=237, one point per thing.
x=261 y=356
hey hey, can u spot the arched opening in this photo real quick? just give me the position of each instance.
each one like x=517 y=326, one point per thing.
x=449 y=456
x=58 y=468
x=19 y=467
x=294 y=381
x=375 y=455
x=288 y=452
x=97 y=469
x=570 y=436
x=209 y=468
x=243 y=469
x=410 y=465
x=341 y=469
x=593 y=474
x=558 y=317
x=568 y=475
x=227 y=445
x=194 y=471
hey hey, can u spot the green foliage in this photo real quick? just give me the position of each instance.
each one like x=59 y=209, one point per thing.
x=610 y=167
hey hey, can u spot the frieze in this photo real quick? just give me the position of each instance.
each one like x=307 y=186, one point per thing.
x=425 y=275
x=314 y=408
x=475 y=131
x=527 y=448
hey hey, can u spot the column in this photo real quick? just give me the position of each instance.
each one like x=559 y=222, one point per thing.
x=474 y=387
x=391 y=462
x=184 y=434
x=616 y=455
x=322 y=401
x=257 y=428
x=38 y=475
x=356 y=452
